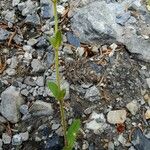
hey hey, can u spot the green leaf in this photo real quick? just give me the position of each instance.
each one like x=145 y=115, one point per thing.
x=54 y=89
x=62 y=94
x=56 y=40
x=72 y=134
x=58 y=93
x=148 y=2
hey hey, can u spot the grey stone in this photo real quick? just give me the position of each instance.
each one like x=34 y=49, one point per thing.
x=116 y=116
x=67 y=49
x=1 y=144
x=24 y=136
x=14 y=62
x=49 y=59
x=97 y=123
x=94 y=25
x=95 y=49
x=100 y=27
x=92 y=94
x=42 y=42
x=24 y=92
x=10 y=104
x=10 y=16
x=30 y=8
x=21 y=6
x=40 y=108
x=123 y=18
x=40 y=90
x=17 y=139
x=40 y=81
x=29 y=81
x=47 y=11
x=15 y=2
x=24 y=109
x=55 y=126
x=2 y=128
x=60 y=9
x=2 y=119
x=27 y=56
x=148 y=82
x=131 y=148
x=142 y=50
x=18 y=39
x=4 y=34
x=6 y=138
x=27 y=48
x=139 y=140
x=32 y=41
x=11 y=72
x=133 y=107
x=88 y=110
x=37 y=66
x=33 y=19
x=72 y=39
x=80 y=51
x=85 y=145
x=122 y=140
x=45 y=2
x=111 y=146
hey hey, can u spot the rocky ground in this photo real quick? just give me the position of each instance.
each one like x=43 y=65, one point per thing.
x=104 y=65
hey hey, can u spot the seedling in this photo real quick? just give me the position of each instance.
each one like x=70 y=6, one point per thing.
x=59 y=94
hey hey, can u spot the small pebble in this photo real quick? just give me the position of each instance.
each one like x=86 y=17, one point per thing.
x=24 y=136
x=17 y=139
x=24 y=109
x=55 y=126
x=133 y=107
x=148 y=82
x=147 y=114
x=116 y=116
x=6 y=138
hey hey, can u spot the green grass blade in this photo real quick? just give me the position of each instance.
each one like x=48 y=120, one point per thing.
x=72 y=134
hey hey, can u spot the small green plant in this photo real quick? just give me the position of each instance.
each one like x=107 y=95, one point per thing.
x=59 y=94
x=148 y=4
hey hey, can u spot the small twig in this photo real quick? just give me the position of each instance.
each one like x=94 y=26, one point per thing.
x=11 y=37
x=2 y=65
x=8 y=129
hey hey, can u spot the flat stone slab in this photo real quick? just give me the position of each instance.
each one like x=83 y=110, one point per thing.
x=100 y=23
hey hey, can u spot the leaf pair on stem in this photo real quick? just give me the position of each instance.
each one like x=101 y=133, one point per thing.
x=59 y=94
x=75 y=126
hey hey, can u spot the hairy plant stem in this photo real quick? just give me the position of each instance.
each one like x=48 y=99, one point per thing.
x=61 y=102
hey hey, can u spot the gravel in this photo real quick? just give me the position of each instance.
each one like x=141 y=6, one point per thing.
x=107 y=84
